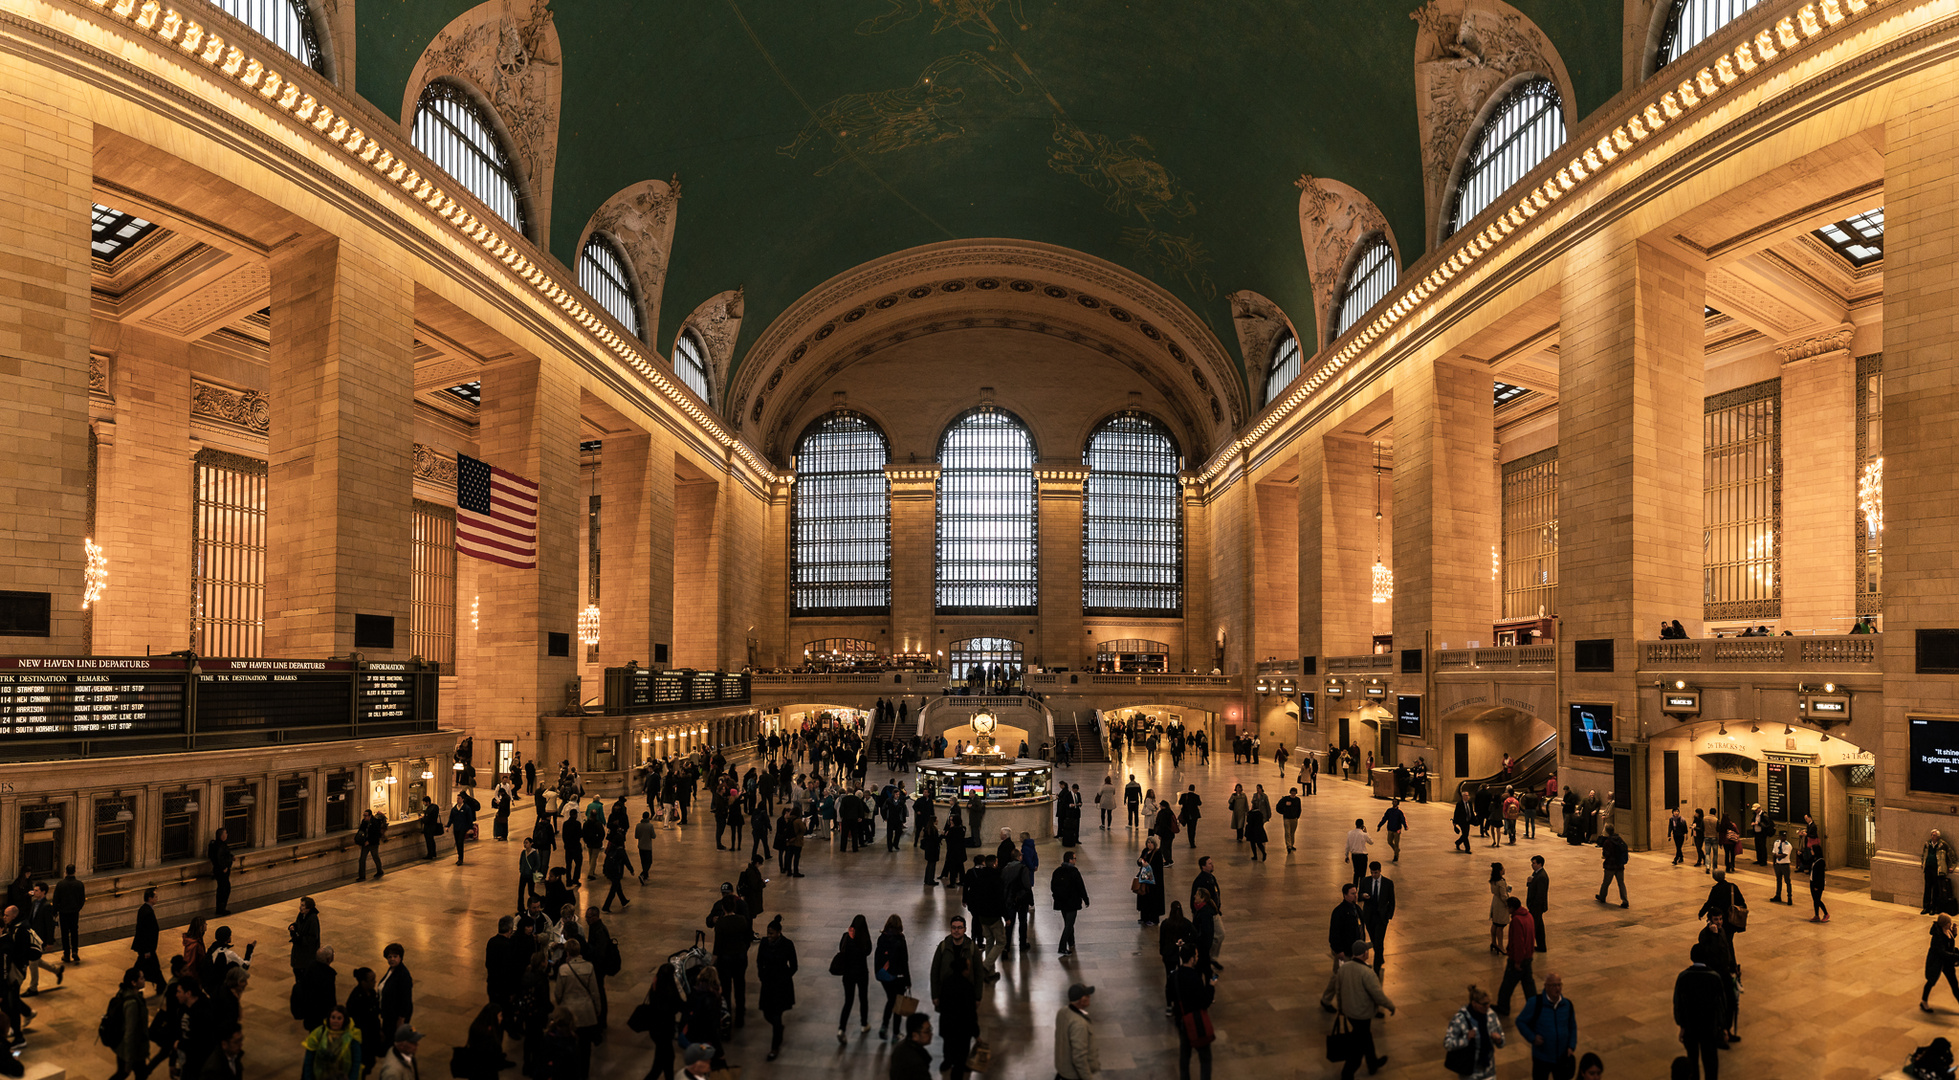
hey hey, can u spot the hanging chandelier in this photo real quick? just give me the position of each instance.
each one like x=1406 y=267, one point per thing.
x=1383 y=577
x=1870 y=495
x=96 y=575
x=1383 y=583
x=588 y=625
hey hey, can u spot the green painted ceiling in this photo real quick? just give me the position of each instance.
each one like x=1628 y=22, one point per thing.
x=1163 y=135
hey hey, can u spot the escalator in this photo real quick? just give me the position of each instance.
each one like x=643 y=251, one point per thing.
x=1527 y=773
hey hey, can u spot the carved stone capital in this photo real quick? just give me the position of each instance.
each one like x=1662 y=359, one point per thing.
x=243 y=410
x=1835 y=341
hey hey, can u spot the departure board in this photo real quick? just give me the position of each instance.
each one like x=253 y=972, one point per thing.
x=57 y=698
x=247 y=694
x=386 y=693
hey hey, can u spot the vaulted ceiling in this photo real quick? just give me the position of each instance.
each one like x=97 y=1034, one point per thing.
x=812 y=137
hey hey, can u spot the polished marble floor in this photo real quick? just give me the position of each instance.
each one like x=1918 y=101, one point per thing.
x=1830 y=1001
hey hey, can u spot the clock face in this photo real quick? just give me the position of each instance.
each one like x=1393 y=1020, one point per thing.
x=984 y=723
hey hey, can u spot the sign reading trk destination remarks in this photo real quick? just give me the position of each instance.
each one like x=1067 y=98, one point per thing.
x=87 y=698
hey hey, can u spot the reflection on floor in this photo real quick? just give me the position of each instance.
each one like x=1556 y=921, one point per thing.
x=1824 y=1001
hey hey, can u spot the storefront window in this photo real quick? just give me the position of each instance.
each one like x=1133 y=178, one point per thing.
x=239 y=803
x=42 y=839
x=115 y=825
x=290 y=822
x=180 y=810
x=1529 y=566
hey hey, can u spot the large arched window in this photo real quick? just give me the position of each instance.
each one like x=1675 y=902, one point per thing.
x=1132 y=520
x=1526 y=127
x=1284 y=367
x=286 y=23
x=602 y=274
x=977 y=659
x=1691 y=22
x=988 y=550
x=453 y=130
x=1369 y=277
x=840 y=519
x=690 y=363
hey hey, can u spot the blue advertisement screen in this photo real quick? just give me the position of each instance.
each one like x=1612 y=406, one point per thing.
x=1591 y=730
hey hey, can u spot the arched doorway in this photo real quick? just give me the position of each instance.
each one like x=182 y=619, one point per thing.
x=1729 y=766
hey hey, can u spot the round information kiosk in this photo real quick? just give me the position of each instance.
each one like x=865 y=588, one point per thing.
x=1012 y=793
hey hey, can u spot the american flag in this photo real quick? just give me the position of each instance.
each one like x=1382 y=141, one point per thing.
x=496 y=514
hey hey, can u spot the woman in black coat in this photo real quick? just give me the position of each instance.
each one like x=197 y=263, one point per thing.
x=666 y=1003
x=1149 y=902
x=1941 y=956
x=1165 y=829
x=931 y=842
x=852 y=965
x=955 y=850
x=891 y=962
x=705 y=1014
x=775 y=965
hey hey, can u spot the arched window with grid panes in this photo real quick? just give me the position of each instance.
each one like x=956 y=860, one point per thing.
x=1371 y=274
x=1525 y=127
x=286 y=23
x=840 y=519
x=1132 y=520
x=988 y=550
x=690 y=363
x=457 y=134
x=603 y=275
x=1690 y=22
x=1284 y=367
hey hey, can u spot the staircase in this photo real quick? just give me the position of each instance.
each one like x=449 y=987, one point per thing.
x=1090 y=748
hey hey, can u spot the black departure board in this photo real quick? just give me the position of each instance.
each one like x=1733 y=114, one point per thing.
x=638 y=690
x=247 y=694
x=385 y=693
x=59 y=698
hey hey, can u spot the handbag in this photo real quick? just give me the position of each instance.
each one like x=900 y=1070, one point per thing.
x=839 y=965
x=1461 y=1060
x=905 y=1005
x=1340 y=1039
x=641 y=1020
x=981 y=1058
x=1197 y=1028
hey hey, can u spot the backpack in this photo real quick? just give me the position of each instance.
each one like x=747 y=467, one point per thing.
x=109 y=1030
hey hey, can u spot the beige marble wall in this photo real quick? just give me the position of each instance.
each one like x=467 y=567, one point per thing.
x=636 y=514
x=1447 y=512
x=914 y=540
x=1062 y=636
x=143 y=502
x=1819 y=494
x=696 y=573
x=1276 y=580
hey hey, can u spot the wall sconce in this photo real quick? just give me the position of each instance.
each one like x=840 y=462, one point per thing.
x=304 y=792
x=247 y=799
x=390 y=779
x=52 y=821
x=190 y=806
x=125 y=814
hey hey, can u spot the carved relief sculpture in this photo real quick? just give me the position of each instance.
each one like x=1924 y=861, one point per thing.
x=640 y=220
x=508 y=50
x=1259 y=323
x=1465 y=52
x=1333 y=219
x=718 y=322
x=245 y=410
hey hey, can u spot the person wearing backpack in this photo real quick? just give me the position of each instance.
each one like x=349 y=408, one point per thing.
x=125 y=1026
x=577 y=989
x=1550 y=1025
x=1615 y=864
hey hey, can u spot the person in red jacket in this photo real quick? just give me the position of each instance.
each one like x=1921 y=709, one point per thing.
x=1521 y=951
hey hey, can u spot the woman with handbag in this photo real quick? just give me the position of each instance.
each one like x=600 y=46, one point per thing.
x=1195 y=990
x=1499 y=910
x=1474 y=1035
x=1941 y=957
x=577 y=990
x=851 y=965
x=659 y=1017
x=891 y=963
x=775 y=966
x=1148 y=884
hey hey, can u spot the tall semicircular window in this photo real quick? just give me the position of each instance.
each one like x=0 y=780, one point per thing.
x=988 y=557
x=285 y=23
x=1284 y=367
x=1527 y=126
x=690 y=363
x=602 y=274
x=1691 y=22
x=453 y=130
x=840 y=519
x=1369 y=279
x=1132 y=520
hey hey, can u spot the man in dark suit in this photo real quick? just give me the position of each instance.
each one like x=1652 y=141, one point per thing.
x=1070 y=896
x=1377 y=909
x=734 y=932
x=145 y=942
x=397 y=989
x=219 y=852
x=431 y=827
x=1343 y=929
x=1537 y=896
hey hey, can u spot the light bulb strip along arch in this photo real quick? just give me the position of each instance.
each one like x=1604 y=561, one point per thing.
x=1805 y=26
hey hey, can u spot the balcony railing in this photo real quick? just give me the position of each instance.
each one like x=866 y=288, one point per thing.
x=1364 y=662
x=1278 y=667
x=1224 y=682
x=1855 y=651
x=1516 y=658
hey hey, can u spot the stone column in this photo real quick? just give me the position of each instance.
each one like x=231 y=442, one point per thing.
x=914 y=558
x=341 y=462
x=1275 y=576
x=696 y=573
x=142 y=507
x=636 y=557
x=1336 y=548
x=1629 y=471
x=1063 y=641
x=1446 y=508
x=1921 y=513
x=528 y=424
x=44 y=338
x=1819 y=487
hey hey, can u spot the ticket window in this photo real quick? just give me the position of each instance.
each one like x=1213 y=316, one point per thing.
x=115 y=831
x=289 y=823
x=340 y=801
x=602 y=753
x=42 y=839
x=179 y=832
x=418 y=796
x=506 y=757
x=240 y=802
x=381 y=784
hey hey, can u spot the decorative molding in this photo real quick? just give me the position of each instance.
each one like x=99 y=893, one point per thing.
x=718 y=324
x=99 y=367
x=218 y=301
x=435 y=465
x=641 y=219
x=1820 y=345
x=1466 y=51
x=1259 y=323
x=508 y=52
x=1333 y=220
x=244 y=410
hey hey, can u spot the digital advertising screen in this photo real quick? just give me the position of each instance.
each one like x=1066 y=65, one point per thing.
x=1934 y=756
x=1408 y=714
x=1591 y=729
x=1306 y=715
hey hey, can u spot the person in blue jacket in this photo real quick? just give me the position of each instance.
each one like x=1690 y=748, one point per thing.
x=1549 y=1024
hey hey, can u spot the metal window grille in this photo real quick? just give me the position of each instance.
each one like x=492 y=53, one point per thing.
x=1132 y=655
x=289 y=818
x=1132 y=520
x=1530 y=535
x=1870 y=449
x=113 y=847
x=112 y=232
x=340 y=801
x=988 y=548
x=1284 y=367
x=432 y=585
x=43 y=842
x=1858 y=238
x=454 y=132
x=286 y=23
x=690 y=363
x=240 y=806
x=840 y=648
x=1370 y=279
x=1694 y=21
x=1526 y=127
x=228 y=554
x=180 y=810
x=974 y=657
x=1741 y=511
x=602 y=274
x=840 y=519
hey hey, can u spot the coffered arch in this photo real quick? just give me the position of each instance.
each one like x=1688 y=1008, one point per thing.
x=1008 y=285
